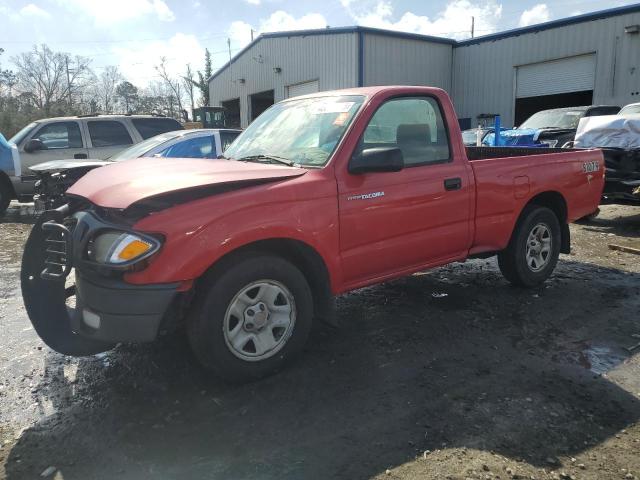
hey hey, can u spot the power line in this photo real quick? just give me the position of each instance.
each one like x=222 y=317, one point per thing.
x=129 y=40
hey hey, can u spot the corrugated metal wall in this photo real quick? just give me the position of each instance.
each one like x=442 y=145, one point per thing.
x=332 y=59
x=400 y=61
x=485 y=73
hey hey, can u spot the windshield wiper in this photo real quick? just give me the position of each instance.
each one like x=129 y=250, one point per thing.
x=263 y=157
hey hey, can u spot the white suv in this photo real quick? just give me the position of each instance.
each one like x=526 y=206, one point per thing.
x=97 y=137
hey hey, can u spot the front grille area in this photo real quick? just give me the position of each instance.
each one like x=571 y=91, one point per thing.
x=58 y=251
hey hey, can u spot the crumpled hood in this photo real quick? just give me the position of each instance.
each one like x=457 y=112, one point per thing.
x=55 y=166
x=122 y=184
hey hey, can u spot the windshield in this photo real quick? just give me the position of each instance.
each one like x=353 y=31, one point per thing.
x=18 y=137
x=630 y=109
x=554 y=119
x=139 y=149
x=304 y=131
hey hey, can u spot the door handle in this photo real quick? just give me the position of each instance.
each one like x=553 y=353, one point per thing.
x=453 y=184
x=80 y=155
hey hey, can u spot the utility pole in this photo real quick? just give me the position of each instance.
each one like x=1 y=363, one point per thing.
x=66 y=61
x=473 y=26
x=252 y=34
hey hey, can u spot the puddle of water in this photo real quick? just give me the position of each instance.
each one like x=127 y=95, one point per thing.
x=603 y=358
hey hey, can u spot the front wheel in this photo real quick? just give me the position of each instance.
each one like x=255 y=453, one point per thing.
x=252 y=318
x=532 y=253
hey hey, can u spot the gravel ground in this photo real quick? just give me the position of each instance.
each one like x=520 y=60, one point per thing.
x=450 y=374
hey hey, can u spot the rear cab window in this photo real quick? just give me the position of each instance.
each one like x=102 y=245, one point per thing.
x=58 y=135
x=414 y=125
x=150 y=127
x=108 y=133
x=227 y=137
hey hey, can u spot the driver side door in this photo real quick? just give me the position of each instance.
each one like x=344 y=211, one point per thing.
x=60 y=141
x=395 y=222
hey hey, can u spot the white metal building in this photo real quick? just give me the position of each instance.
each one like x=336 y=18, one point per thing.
x=587 y=59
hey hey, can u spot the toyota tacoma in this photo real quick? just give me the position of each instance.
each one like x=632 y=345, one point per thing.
x=320 y=195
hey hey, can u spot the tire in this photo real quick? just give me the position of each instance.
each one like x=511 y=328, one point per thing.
x=527 y=265
x=221 y=327
x=5 y=196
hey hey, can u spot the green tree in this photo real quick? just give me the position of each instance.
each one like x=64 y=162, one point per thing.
x=127 y=92
x=203 y=79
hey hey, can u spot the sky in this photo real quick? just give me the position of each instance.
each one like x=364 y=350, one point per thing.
x=134 y=34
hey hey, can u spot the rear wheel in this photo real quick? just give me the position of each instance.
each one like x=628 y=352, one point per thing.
x=532 y=253
x=252 y=318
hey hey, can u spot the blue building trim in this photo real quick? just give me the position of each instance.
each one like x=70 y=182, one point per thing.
x=587 y=17
x=360 y=59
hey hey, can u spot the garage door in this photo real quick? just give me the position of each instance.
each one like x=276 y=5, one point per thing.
x=302 y=88
x=574 y=74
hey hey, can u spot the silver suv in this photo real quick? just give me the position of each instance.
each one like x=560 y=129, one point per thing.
x=96 y=137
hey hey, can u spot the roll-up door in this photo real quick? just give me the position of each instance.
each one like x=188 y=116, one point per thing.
x=573 y=74
x=302 y=89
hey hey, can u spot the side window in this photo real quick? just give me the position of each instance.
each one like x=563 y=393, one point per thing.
x=60 y=135
x=199 y=147
x=414 y=125
x=150 y=127
x=108 y=133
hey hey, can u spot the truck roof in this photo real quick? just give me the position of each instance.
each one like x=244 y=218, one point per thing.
x=371 y=91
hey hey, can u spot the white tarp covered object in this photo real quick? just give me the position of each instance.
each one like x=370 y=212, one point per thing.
x=609 y=131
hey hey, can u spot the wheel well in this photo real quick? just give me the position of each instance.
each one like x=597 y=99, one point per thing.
x=556 y=203
x=4 y=181
x=304 y=257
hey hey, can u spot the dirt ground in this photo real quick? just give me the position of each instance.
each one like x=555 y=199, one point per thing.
x=450 y=374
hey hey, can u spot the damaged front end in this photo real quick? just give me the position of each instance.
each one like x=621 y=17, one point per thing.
x=73 y=287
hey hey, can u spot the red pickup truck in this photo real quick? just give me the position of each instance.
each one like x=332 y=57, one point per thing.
x=322 y=194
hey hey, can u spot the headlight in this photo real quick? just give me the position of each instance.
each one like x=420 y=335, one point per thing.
x=120 y=248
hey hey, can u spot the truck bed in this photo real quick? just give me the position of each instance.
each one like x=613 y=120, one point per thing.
x=506 y=178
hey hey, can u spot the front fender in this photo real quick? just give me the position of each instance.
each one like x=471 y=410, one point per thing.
x=192 y=246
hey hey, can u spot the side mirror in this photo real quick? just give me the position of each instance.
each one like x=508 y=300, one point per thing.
x=381 y=159
x=33 y=145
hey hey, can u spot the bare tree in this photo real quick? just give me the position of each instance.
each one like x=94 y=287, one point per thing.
x=172 y=84
x=106 y=87
x=50 y=77
x=189 y=83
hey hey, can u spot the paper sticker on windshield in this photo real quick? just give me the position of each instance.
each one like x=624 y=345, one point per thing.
x=331 y=107
x=341 y=119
